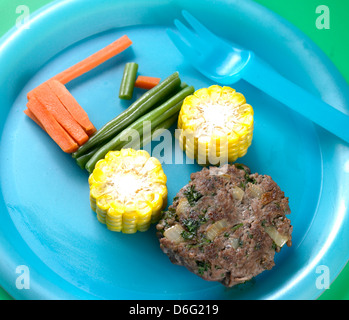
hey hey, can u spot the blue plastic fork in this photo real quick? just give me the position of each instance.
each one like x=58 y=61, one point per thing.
x=226 y=63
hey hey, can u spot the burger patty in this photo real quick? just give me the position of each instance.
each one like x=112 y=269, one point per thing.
x=226 y=224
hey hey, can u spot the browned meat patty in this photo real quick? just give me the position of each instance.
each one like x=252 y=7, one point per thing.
x=226 y=224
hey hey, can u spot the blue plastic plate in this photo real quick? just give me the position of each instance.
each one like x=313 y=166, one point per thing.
x=46 y=221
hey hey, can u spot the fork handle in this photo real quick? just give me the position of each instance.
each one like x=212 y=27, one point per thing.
x=265 y=78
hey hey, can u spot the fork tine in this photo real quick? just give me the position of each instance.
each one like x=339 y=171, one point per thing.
x=199 y=27
x=190 y=37
x=185 y=49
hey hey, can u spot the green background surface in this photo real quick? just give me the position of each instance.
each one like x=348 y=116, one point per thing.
x=301 y=13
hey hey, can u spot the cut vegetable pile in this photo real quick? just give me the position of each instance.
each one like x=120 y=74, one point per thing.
x=57 y=112
x=52 y=107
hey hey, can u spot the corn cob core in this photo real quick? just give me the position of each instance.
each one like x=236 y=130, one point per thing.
x=216 y=125
x=128 y=190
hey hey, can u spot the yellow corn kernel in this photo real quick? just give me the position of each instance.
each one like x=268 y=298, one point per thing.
x=128 y=190
x=216 y=125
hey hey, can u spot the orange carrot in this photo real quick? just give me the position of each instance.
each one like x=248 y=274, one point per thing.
x=73 y=107
x=91 y=62
x=47 y=98
x=35 y=119
x=94 y=60
x=51 y=126
x=147 y=83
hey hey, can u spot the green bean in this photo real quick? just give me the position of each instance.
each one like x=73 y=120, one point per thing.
x=128 y=81
x=82 y=160
x=155 y=132
x=156 y=116
x=137 y=109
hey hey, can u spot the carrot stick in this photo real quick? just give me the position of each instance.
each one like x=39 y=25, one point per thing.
x=147 y=83
x=35 y=119
x=94 y=60
x=48 y=99
x=51 y=126
x=73 y=107
x=91 y=62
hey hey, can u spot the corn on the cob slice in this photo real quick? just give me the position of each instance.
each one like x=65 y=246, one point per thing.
x=216 y=125
x=128 y=190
